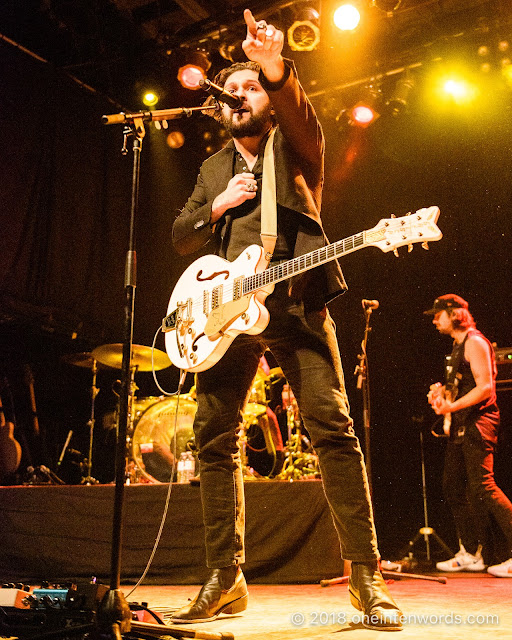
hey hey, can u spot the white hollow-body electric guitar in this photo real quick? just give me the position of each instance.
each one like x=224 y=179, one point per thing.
x=216 y=300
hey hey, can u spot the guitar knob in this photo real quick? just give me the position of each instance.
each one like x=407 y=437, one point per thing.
x=425 y=246
x=410 y=247
x=395 y=252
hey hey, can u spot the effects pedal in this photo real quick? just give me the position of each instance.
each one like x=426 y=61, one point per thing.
x=15 y=596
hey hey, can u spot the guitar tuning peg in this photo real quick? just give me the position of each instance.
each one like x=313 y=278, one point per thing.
x=395 y=252
x=425 y=245
x=410 y=247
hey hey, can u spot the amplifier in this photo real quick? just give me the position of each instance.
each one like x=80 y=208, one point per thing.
x=504 y=362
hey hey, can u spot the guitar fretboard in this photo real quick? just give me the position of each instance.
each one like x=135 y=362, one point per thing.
x=303 y=263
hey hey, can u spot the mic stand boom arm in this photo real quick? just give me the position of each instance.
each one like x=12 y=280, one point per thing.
x=153 y=116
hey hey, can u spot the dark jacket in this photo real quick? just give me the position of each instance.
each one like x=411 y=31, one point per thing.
x=299 y=161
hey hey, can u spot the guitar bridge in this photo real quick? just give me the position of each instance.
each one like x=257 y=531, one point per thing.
x=181 y=317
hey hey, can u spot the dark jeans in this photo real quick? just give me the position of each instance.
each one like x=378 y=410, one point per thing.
x=469 y=486
x=304 y=345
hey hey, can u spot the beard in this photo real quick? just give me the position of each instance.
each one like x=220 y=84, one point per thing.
x=255 y=125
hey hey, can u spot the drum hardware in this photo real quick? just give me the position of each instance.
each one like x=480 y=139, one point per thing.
x=256 y=426
x=142 y=359
x=94 y=392
x=300 y=460
x=88 y=361
x=247 y=471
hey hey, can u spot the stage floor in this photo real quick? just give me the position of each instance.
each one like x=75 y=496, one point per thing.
x=309 y=611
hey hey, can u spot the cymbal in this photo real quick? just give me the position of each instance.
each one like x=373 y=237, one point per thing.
x=84 y=359
x=112 y=356
x=253 y=410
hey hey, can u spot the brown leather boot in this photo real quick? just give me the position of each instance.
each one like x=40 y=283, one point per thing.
x=225 y=591
x=369 y=594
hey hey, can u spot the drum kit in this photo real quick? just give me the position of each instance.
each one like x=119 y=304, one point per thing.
x=262 y=451
x=160 y=428
x=152 y=421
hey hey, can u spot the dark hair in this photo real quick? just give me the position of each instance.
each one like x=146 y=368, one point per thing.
x=221 y=78
x=224 y=74
x=461 y=318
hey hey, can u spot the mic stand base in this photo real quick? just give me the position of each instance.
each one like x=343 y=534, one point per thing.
x=388 y=575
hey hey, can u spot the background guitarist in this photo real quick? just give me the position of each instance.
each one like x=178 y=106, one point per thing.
x=224 y=210
x=475 y=500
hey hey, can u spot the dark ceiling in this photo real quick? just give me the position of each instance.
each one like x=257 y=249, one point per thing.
x=118 y=46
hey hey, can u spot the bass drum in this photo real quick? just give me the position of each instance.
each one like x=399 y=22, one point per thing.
x=153 y=437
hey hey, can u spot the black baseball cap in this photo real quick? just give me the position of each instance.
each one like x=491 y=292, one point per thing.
x=445 y=303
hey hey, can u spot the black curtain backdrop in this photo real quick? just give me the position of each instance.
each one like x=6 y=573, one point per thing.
x=65 y=205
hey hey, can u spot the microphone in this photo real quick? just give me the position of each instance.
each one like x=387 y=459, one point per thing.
x=370 y=304
x=220 y=94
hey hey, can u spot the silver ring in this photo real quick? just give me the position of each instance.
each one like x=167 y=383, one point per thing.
x=251 y=187
x=261 y=25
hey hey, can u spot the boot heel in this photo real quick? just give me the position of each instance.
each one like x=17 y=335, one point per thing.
x=355 y=602
x=237 y=606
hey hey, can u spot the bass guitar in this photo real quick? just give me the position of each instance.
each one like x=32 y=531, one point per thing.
x=216 y=300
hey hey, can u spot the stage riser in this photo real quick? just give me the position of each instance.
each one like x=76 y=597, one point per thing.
x=61 y=532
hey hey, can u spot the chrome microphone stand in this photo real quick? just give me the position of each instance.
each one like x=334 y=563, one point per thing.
x=114 y=613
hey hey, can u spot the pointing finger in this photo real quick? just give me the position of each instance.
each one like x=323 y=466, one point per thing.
x=250 y=22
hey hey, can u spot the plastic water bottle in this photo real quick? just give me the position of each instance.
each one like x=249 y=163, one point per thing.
x=186 y=467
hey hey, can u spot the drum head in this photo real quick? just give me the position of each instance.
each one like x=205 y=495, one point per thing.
x=153 y=437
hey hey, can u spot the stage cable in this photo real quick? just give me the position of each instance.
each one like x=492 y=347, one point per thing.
x=173 y=469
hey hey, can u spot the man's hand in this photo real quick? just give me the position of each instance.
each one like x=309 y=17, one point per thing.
x=436 y=391
x=437 y=398
x=263 y=44
x=240 y=188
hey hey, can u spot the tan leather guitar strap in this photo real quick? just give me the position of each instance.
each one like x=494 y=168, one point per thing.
x=268 y=199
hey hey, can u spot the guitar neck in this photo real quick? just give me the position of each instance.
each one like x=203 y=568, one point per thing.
x=303 y=263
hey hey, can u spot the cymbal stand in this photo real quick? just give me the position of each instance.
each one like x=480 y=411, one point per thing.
x=132 y=475
x=94 y=392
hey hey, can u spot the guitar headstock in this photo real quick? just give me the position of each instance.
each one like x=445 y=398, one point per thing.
x=391 y=233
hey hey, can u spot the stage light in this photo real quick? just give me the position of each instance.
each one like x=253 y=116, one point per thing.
x=194 y=69
x=175 y=139
x=347 y=17
x=459 y=90
x=150 y=98
x=398 y=101
x=362 y=115
x=304 y=33
x=230 y=48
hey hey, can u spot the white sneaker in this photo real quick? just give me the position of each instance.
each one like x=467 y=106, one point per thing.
x=464 y=561
x=503 y=570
